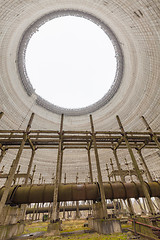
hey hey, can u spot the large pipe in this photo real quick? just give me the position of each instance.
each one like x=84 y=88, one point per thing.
x=77 y=192
x=67 y=208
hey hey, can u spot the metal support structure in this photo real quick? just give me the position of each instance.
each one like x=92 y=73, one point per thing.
x=29 y=167
x=130 y=207
x=118 y=165
x=111 y=163
x=61 y=164
x=149 y=176
x=64 y=204
x=54 y=216
x=18 y=170
x=146 y=193
x=34 y=169
x=90 y=165
x=27 y=177
x=77 y=202
x=104 y=207
x=153 y=135
x=107 y=169
x=126 y=163
x=150 y=179
x=3 y=153
x=114 y=203
x=14 y=165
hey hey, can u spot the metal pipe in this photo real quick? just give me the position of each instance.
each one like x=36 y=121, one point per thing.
x=76 y=192
x=67 y=208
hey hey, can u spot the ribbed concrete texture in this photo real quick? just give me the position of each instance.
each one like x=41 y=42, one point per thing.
x=136 y=26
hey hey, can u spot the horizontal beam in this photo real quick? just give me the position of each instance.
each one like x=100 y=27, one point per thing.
x=76 y=192
x=19 y=175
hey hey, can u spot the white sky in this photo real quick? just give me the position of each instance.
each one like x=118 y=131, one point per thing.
x=70 y=62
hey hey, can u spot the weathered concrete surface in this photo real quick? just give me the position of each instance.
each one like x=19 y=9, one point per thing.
x=54 y=229
x=11 y=222
x=8 y=231
x=11 y=215
x=105 y=226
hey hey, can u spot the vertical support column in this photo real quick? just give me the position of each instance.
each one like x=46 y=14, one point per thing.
x=3 y=153
x=2 y=169
x=131 y=210
x=34 y=169
x=14 y=166
x=109 y=178
x=27 y=176
x=145 y=165
x=154 y=136
x=90 y=165
x=64 y=204
x=29 y=166
x=131 y=178
x=61 y=164
x=104 y=206
x=145 y=190
x=113 y=169
x=126 y=163
x=114 y=202
x=77 y=202
x=54 y=217
x=37 y=204
x=118 y=165
x=18 y=170
x=149 y=176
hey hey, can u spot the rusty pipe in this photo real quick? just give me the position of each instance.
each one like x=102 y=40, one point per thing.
x=77 y=192
x=67 y=208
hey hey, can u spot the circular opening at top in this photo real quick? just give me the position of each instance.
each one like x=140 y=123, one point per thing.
x=70 y=62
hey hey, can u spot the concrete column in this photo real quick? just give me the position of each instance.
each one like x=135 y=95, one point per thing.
x=145 y=190
x=14 y=166
x=126 y=163
x=111 y=163
x=54 y=216
x=107 y=169
x=18 y=170
x=114 y=202
x=3 y=153
x=34 y=169
x=77 y=202
x=138 y=201
x=130 y=207
x=104 y=206
x=90 y=165
x=64 y=204
x=29 y=166
x=149 y=177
